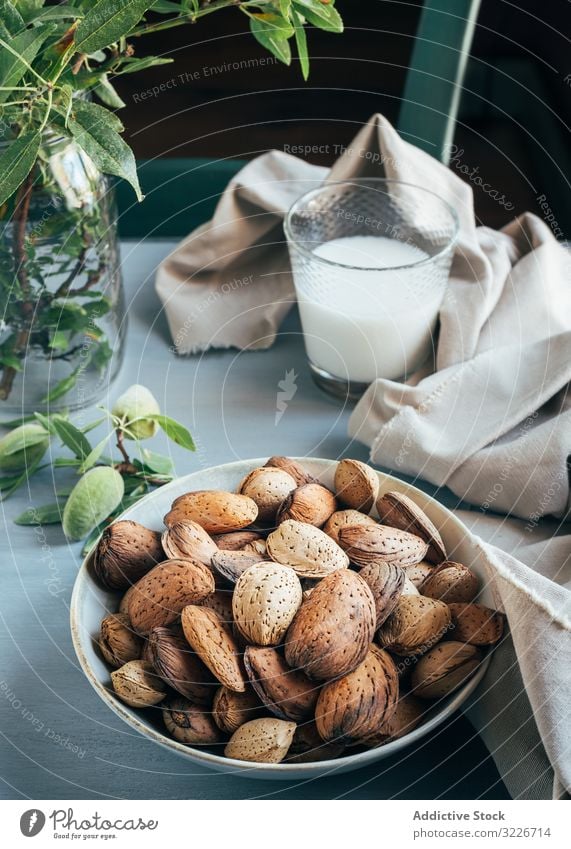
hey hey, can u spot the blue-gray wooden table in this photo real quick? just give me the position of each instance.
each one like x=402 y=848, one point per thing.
x=58 y=739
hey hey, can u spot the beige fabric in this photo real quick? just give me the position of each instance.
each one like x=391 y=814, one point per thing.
x=492 y=420
x=522 y=709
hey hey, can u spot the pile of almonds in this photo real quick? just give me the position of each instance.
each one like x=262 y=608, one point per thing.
x=283 y=621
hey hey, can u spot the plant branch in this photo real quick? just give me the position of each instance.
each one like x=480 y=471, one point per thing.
x=121 y=446
x=24 y=62
x=22 y=208
x=190 y=17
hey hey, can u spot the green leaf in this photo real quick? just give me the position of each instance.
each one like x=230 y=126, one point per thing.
x=55 y=13
x=108 y=21
x=66 y=463
x=272 y=38
x=46 y=421
x=10 y=17
x=94 y=455
x=23 y=440
x=174 y=430
x=9 y=480
x=68 y=316
x=301 y=42
x=16 y=163
x=95 y=309
x=130 y=66
x=321 y=15
x=8 y=358
x=157 y=462
x=48 y=514
x=63 y=387
x=59 y=340
x=93 y=537
x=106 y=92
x=27 y=473
x=11 y=423
x=93 y=425
x=71 y=436
x=26 y=45
x=96 y=131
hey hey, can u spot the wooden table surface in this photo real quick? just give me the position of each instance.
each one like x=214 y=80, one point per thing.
x=57 y=738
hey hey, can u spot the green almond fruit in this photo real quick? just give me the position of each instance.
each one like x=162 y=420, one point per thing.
x=97 y=494
x=22 y=447
x=136 y=403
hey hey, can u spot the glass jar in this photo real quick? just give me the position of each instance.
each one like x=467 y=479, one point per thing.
x=62 y=308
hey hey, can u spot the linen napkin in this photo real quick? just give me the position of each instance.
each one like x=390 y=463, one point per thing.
x=491 y=420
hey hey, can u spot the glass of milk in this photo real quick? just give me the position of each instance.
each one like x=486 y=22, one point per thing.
x=370 y=260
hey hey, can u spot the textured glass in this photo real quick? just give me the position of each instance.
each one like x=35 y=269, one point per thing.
x=62 y=312
x=362 y=321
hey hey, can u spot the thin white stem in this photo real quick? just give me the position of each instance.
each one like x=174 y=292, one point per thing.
x=21 y=59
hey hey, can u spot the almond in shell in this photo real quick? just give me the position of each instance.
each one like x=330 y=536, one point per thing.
x=221 y=603
x=214 y=644
x=118 y=641
x=451 y=582
x=342 y=518
x=386 y=582
x=236 y=540
x=476 y=624
x=230 y=564
x=311 y=503
x=217 y=511
x=126 y=552
x=308 y=747
x=188 y=539
x=159 y=597
x=175 y=662
x=268 y=487
x=265 y=740
x=355 y=706
x=266 y=598
x=417 y=573
x=399 y=511
x=190 y=724
x=444 y=668
x=333 y=628
x=367 y=543
x=231 y=710
x=356 y=485
x=136 y=684
x=293 y=468
x=310 y=552
x=415 y=625
x=287 y=693
x=407 y=716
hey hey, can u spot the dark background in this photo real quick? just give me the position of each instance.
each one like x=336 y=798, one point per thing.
x=512 y=123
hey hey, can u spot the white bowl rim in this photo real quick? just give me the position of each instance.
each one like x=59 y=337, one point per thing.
x=357 y=760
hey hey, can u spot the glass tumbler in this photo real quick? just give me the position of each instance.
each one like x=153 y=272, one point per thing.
x=370 y=260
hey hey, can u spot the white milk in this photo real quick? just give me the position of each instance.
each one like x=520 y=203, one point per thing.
x=359 y=324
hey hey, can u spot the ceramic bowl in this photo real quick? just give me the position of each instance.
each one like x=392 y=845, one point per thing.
x=90 y=603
